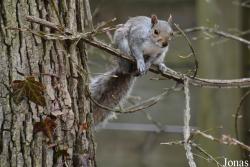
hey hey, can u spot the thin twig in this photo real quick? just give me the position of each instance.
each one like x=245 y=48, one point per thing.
x=166 y=93
x=147 y=103
x=239 y=34
x=156 y=123
x=217 y=32
x=200 y=149
x=135 y=108
x=225 y=139
x=104 y=25
x=243 y=98
x=197 y=147
x=192 y=49
x=45 y=23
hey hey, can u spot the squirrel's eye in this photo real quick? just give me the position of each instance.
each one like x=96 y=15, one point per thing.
x=156 y=32
x=171 y=34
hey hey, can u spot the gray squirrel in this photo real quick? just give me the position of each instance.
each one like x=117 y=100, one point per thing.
x=146 y=40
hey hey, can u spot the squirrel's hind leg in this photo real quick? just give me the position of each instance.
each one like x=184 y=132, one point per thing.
x=122 y=44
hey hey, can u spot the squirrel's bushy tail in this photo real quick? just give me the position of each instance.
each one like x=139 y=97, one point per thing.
x=109 y=90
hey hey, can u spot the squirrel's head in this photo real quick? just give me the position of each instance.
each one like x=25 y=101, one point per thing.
x=161 y=31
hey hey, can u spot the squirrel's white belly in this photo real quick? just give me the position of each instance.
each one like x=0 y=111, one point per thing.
x=153 y=49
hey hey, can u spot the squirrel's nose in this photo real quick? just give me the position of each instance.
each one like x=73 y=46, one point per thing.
x=164 y=44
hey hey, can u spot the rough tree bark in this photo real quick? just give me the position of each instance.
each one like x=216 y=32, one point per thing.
x=53 y=63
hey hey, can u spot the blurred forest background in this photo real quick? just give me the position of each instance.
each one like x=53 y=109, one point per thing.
x=212 y=109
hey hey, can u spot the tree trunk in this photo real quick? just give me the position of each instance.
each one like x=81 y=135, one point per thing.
x=54 y=64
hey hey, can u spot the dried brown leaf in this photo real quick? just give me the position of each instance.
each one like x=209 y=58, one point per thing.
x=47 y=126
x=28 y=88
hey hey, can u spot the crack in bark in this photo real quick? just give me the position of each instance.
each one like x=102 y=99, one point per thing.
x=22 y=143
x=20 y=33
x=10 y=105
x=28 y=58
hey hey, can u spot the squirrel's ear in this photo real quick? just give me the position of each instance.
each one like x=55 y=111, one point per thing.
x=170 y=19
x=154 y=20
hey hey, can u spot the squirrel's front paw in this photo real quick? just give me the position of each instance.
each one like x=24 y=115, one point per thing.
x=162 y=67
x=141 y=67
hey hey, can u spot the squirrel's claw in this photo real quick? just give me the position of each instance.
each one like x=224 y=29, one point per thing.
x=141 y=67
x=162 y=67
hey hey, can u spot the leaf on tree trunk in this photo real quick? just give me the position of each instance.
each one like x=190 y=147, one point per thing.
x=83 y=126
x=62 y=152
x=47 y=126
x=29 y=88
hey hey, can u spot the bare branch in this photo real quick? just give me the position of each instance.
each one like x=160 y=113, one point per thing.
x=225 y=139
x=217 y=32
x=186 y=130
x=45 y=23
x=171 y=74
